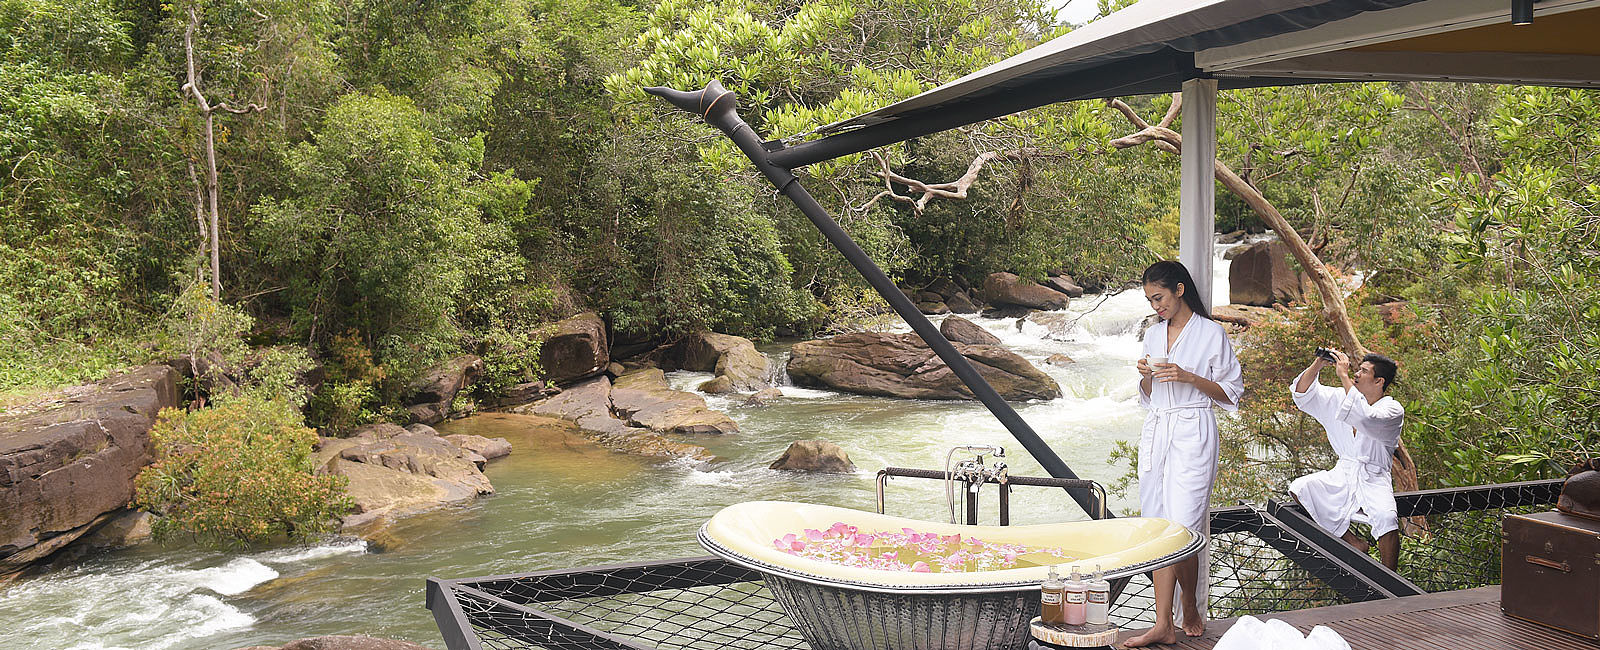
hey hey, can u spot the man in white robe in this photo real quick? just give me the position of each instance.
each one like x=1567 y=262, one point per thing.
x=1363 y=426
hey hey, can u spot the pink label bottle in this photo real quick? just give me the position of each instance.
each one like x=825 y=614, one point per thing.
x=1075 y=605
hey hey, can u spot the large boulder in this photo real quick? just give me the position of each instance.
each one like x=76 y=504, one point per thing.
x=1064 y=283
x=815 y=456
x=1261 y=275
x=644 y=399
x=575 y=349
x=68 y=462
x=961 y=330
x=434 y=392
x=1008 y=289
x=726 y=355
x=959 y=303
x=901 y=365
x=393 y=471
x=588 y=405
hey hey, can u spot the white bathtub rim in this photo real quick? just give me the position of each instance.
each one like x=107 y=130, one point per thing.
x=1027 y=578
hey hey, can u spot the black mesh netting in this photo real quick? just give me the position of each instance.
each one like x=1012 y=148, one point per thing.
x=1256 y=566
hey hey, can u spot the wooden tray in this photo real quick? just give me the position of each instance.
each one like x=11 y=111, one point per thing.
x=1074 y=636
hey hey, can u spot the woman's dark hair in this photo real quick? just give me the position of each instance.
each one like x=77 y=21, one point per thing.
x=1383 y=368
x=1170 y=274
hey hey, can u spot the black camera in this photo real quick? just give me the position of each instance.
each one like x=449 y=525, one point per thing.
x=1325 y=354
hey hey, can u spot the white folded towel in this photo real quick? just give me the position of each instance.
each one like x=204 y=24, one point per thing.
x=1250 y=633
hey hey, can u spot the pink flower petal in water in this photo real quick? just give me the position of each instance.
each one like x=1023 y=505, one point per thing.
x=864 y=540
x=921 y=567
x=813 y=534
x=837 y=529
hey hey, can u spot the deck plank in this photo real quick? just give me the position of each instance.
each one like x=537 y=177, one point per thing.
x=1468 y=619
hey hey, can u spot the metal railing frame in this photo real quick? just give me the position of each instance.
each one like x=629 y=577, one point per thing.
x=1354 y=575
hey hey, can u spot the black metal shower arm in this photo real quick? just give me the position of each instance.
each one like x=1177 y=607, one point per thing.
x=719 y=106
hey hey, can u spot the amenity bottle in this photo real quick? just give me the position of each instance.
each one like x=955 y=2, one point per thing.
x=1073 y=608
x=1099 y=603
x=1051 y=597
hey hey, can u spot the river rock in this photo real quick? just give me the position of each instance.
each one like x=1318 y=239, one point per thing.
x=1063 y=283
x=1238 y=318
x=523 y=393
x=434 y=392
x=575 y=349
x=1261 y=276
x=644 y=399
x=726 y=355
x=125 y=528
x=815 y=456
x=488 y=448
x=901 y=365
x=945 y=288
x=588 y=405
x=1058 y=326
x=718 y=385
x=959 y=329
x=1008 y=289
x=933 y=308
x=393 y=471
x=763 y=397
x=69 y=461
x=1059 y=360
x=1006 y=311
x=959 y=303
x=342 y=642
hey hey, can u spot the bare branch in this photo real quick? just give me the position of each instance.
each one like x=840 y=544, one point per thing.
x=1173 y=110
x=956 y=189
x=252 y=108
x=1127 y=111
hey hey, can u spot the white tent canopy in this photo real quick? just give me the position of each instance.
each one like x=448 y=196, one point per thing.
x=1245 y=43
x=1201 y=46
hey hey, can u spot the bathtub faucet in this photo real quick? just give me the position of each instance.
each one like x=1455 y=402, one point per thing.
x=973 y=472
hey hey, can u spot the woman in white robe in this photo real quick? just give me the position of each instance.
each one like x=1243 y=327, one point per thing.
x=1178 y=446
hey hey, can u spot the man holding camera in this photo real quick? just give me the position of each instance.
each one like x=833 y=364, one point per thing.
x=1363 y=425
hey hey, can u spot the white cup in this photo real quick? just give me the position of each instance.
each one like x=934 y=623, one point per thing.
x=1155 y=360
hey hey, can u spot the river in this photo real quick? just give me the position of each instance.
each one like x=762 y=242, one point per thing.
x=562 y=502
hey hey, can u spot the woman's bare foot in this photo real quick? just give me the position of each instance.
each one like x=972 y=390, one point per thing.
x=1162 y=633
x=1193 y=623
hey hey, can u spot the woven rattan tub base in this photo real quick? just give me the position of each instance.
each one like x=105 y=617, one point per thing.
x=836 y=618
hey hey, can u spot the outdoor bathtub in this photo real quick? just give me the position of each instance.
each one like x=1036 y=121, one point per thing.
x=849 y=608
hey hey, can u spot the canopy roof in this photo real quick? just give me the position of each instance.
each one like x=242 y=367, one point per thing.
x=1156 y=45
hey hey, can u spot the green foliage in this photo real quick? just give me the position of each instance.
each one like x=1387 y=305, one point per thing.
x=348 y=396
x=201 y=328
x=238 y=473
x=1520 y=383
x=373 y=236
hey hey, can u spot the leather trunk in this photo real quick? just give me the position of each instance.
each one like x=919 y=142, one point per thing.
x=1550 y=571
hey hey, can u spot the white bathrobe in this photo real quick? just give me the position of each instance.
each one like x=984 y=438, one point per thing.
x=1359 y=487
x=1178 y=446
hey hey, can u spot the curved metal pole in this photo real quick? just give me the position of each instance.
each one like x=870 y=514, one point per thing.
x=719 y=106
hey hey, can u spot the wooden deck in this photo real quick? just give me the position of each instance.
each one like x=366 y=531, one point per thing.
x=1454 y=620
